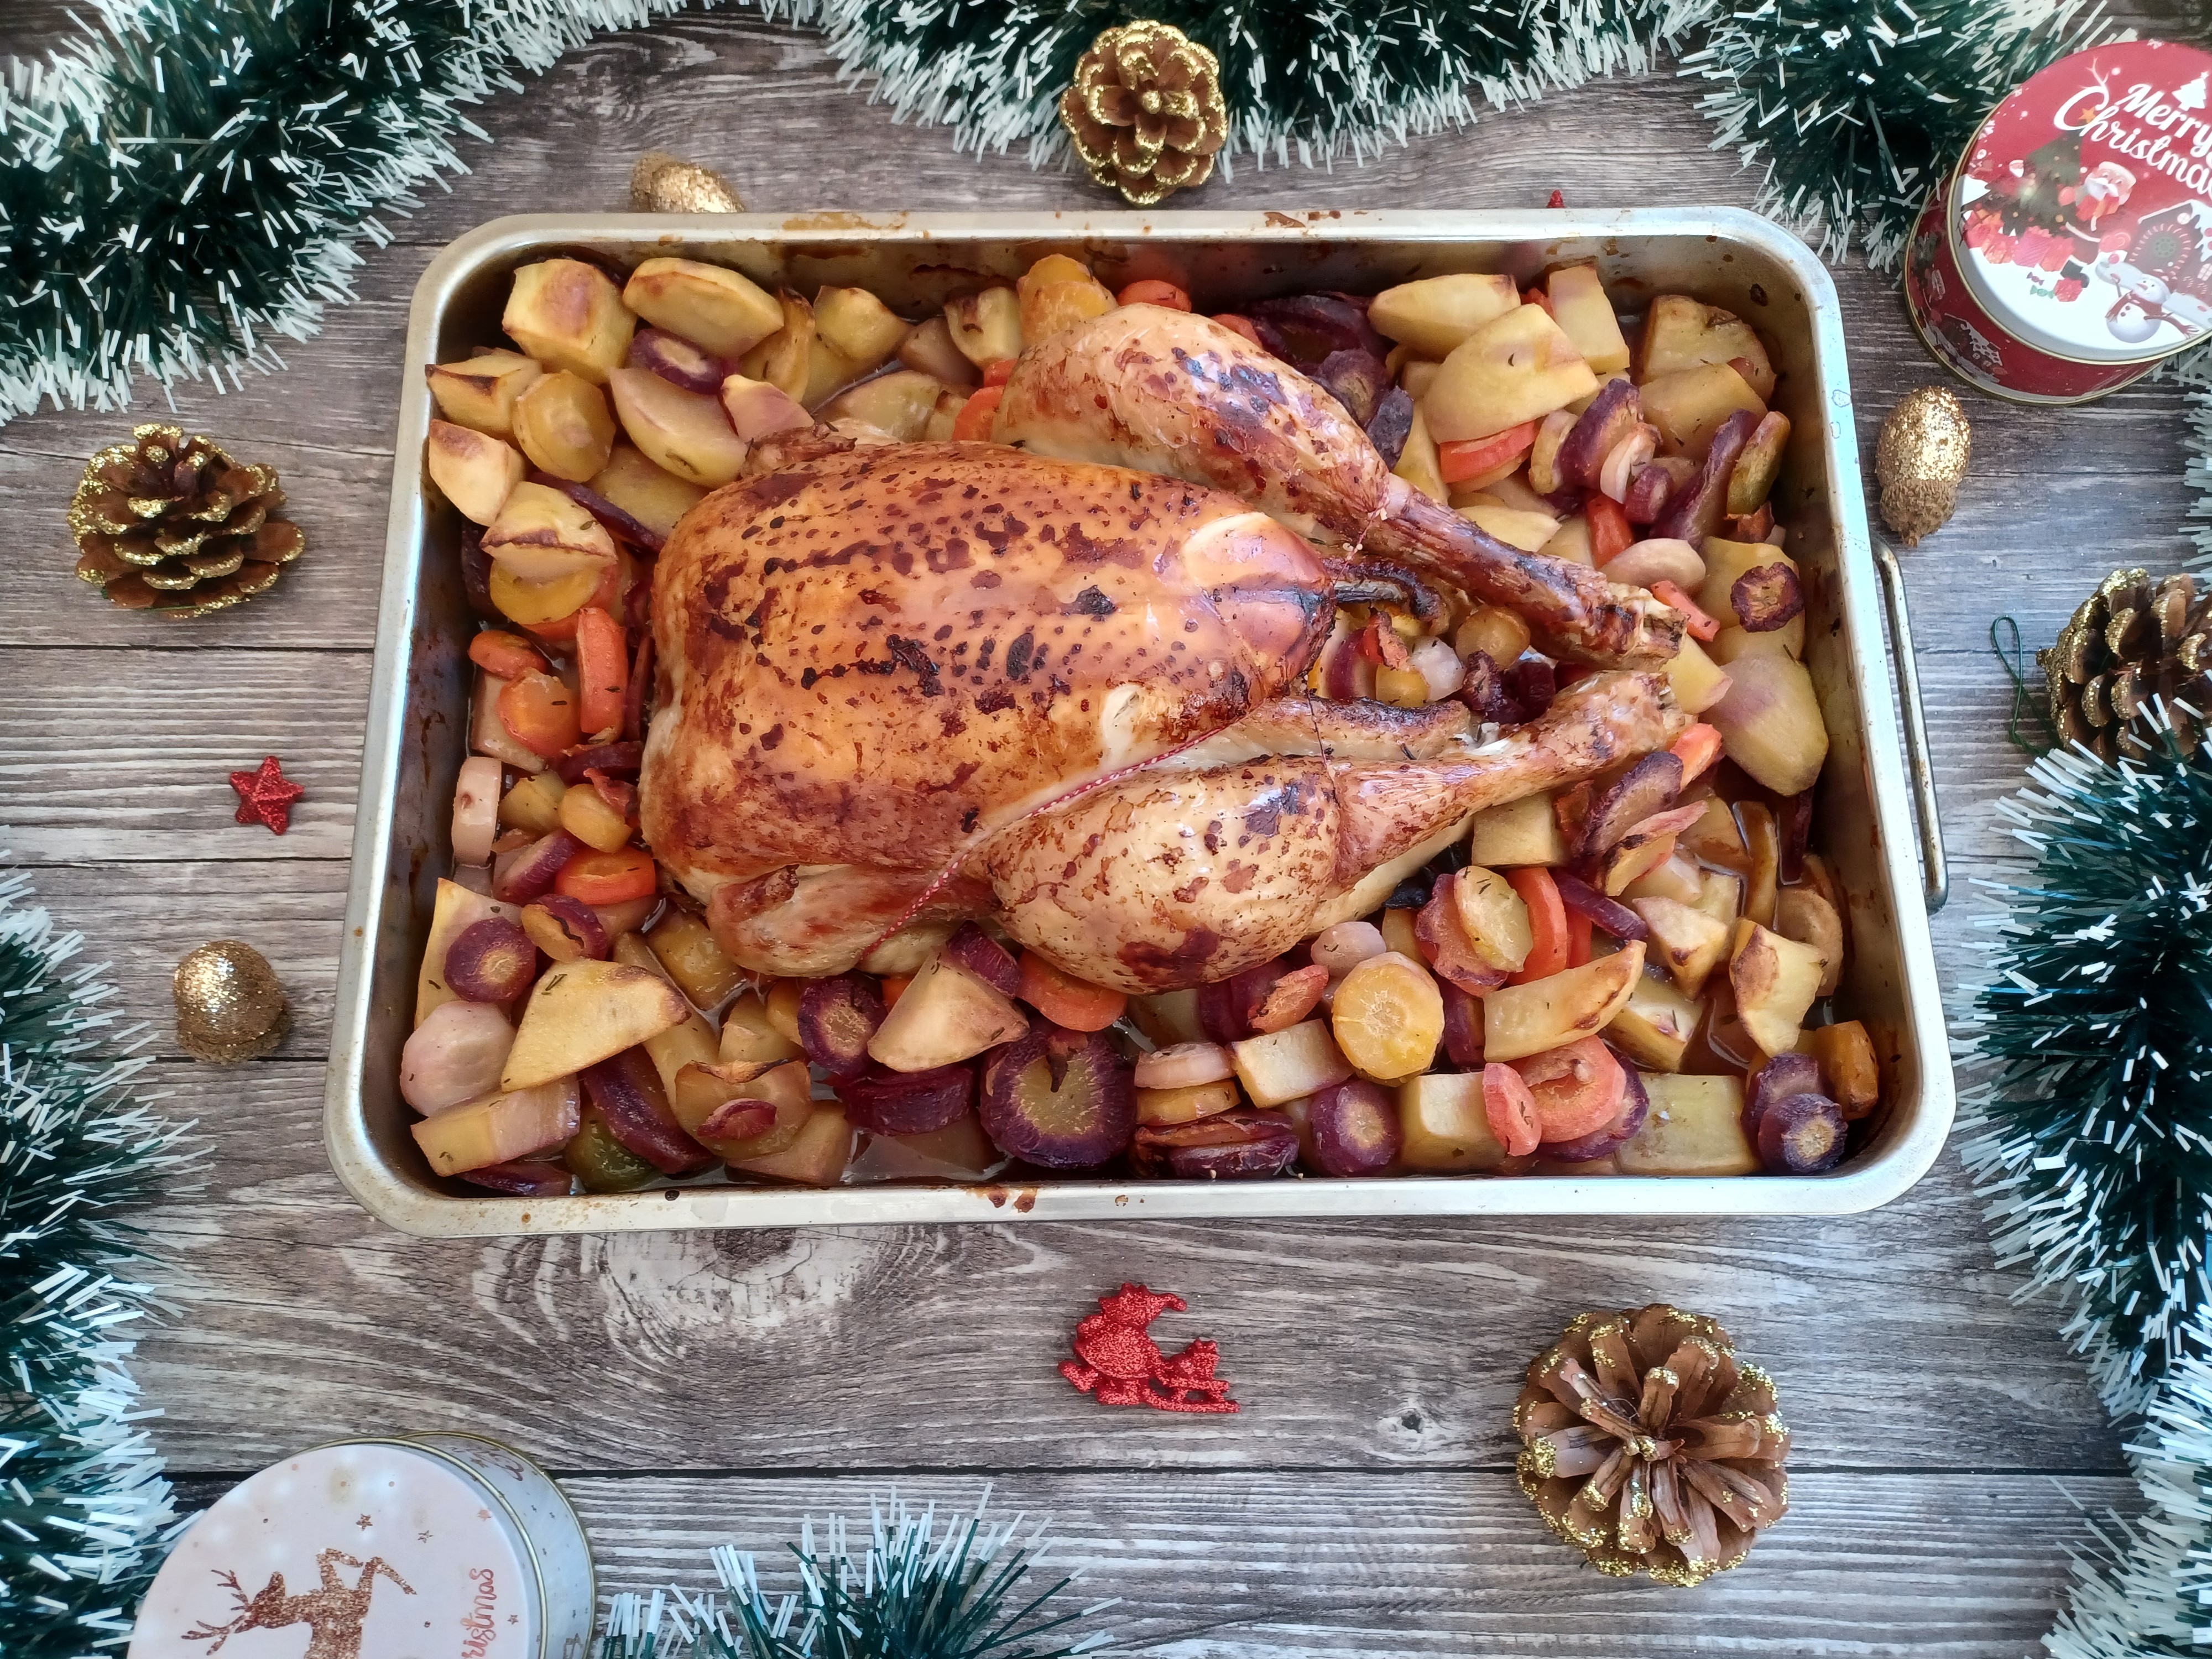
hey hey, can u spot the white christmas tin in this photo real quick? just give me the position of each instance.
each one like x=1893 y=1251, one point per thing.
x=435 y=1547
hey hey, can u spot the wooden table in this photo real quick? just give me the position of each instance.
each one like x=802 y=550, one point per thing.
x=692 y=1389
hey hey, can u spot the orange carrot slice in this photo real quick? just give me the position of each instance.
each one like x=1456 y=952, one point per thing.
x=1547 y=923
x=1698 y=748
x=1471 y=457
x=973 y=423
x=1152 y=291
x=1579 y=939
x=504 y=656
x=540 y=711
x=1579 y=1088
x=602 y=670
x=1701 y=626
x=1510 y=1109
x=1235 y=325
x=998 y=371
x=608 y=877
x=1074 y=1004
x=1609 y=528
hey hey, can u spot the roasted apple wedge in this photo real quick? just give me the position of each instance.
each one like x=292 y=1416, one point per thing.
x=479 y=392
x=1516 y=367
x=1679 y=333
x=687 y=434
x=1520 y=1020
x=720 y=311
x=474 y=471
x=581 y=1012
x=1775 y=981
x=569 y=315
x=946 y=1015
x=1436 y=313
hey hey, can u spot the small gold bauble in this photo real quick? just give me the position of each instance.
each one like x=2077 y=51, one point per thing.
x=229 y=1006
x=661 y=183
x=1920 y=461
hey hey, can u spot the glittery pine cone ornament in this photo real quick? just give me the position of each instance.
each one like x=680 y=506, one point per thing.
x=2131 y=643
x=1651 y=1445
x=171 y=524
x=1145 y=111
x=1921 y=460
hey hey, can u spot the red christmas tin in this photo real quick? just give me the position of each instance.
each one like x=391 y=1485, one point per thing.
x=2072 y=249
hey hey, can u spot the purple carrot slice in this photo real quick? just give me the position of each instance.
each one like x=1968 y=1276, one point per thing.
x=1355 y=1129
x=836 y=1019
x=1058 y=1099
x=887 y=1102
x=1801 y=1135
x=971 y=948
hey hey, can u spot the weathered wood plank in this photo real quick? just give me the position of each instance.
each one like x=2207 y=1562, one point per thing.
x=127 y=756
x=1369 y=1344
x=1225 y=1564
x=1236 y=1566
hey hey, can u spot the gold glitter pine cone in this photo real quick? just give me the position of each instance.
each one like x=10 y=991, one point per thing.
x=171 y=524
x=661 y=183
x=1647 y=1443
x=230 y=1005
x=2131 y=642
x=1921 y=460
x=1145 y=111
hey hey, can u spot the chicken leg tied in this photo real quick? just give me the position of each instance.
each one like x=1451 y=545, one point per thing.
x=1174 y=392
x=1176 y=878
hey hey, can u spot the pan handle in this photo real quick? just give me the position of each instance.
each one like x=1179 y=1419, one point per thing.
x=1936 y=873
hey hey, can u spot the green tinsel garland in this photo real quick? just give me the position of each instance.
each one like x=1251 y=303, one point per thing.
x=1857 y=109
x=2088 y=1128
x=83 y=1505
x=912 y=1595
x=189 y=185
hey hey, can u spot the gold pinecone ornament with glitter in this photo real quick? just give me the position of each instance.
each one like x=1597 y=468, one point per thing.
x=171 y=524
x=1647 y=1443
x=1145 y=111
x=2131 y=642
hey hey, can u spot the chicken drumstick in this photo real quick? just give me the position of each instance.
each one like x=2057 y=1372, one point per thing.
x=1174 y=392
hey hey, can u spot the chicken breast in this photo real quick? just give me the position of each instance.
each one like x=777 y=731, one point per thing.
x=874 y=658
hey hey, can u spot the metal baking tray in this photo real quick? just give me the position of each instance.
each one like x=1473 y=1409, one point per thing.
x=417 y=725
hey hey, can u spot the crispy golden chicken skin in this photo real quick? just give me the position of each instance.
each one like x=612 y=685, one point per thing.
x=876 y=657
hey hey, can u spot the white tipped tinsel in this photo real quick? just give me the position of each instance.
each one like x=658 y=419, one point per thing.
x=84 y=1507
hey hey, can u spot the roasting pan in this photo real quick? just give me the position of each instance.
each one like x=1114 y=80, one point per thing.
x=1892 y=870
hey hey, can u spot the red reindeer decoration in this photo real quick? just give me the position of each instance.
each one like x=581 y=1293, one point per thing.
x=333 y=1613
x=1118 y=1362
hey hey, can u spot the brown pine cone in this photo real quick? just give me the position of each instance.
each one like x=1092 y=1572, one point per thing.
x=171 y=524
x=1651 y=1445
x=1145 y=111
x=2129 y=642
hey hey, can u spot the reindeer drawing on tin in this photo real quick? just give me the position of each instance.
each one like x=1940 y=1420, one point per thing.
x=333 y=1613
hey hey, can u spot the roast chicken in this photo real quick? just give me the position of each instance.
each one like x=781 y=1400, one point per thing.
x=1173 y=392
x=904 y=686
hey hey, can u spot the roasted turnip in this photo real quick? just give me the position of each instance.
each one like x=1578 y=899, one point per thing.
x=454 y=1055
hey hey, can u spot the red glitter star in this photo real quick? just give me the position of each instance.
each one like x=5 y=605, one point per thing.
x=266 y=795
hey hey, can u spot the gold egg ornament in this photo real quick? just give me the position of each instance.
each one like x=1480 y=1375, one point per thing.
x=661 y=183
x=230 y=1007
x=1921 y=460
